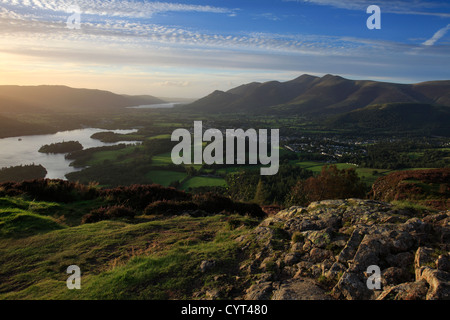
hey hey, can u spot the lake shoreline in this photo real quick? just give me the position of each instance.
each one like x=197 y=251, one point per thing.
x=24 y=150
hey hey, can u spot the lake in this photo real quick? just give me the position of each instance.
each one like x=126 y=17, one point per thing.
x=157 y=106
x=24 y=150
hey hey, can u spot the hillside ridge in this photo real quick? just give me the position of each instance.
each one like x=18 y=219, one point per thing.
x=329 y=94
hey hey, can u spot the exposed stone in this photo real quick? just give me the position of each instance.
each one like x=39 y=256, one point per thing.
x=206 y=265
x=320 y=255
x=212 y=294
x=292 y=258
x=351 y=287
x=393 y=276
x=339 y=240
x=438 y=280
x=326 y=265
x=303 y=268
x=401 y=260
x=336 y=269
x=316 y=270
x=405 y=291
x=319 y=239
x=259 y=291
x=443 y=263
x=370 y=251
x=351 y=247
x=299 y=289
x=423 y=257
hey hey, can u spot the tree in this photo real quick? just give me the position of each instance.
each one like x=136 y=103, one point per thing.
x=331 y=183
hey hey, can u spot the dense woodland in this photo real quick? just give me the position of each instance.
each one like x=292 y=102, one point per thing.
x=61 y=147
x=20 y=173
x=401 y=155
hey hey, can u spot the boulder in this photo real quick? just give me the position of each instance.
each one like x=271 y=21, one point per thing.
x=439 y=282
x=351 y=286
x=259 y=291
x=206 y=265
x=299 y=289
x=405 y=291
x=443 y=262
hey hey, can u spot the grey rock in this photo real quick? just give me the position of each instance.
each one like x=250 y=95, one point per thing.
x=299 y=289
x=259 y=291
x=351 y=247
x=393 y=276
x=405 y=291
x=423 y=257
x=292 y=258
x=206 y=265
x=351 y=287
x=319 y=255
x=401 y=260
x=398 y=242
x=443 y=262
x=370 y=252
x=439 y=282
x=336 y=269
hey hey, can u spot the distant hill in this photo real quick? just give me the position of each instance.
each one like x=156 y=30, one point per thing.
x=11 y=128
x=399 y=117
x=310 y=95
x=24 y=99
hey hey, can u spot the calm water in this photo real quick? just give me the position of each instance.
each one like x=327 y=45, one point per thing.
x=156 y=106
x=24 y=150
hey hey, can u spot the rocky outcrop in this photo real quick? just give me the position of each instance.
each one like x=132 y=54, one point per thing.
x=330 y=249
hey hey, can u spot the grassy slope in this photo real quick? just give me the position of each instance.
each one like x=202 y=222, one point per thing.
x=146 y=258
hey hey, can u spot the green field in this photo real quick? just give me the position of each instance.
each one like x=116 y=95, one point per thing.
x=162 y=159
x=227 y=170
x=99 y=157
x=366 y=174
x=161 y=136
x=196 y=182
x=165 y=178
x=165 y=159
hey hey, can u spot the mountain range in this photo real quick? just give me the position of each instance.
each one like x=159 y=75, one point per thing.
x=46 y=98
x=311 y=95
x=338 y=103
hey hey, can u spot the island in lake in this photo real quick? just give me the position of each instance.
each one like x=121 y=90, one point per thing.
x=61 y=147
x=22 y=172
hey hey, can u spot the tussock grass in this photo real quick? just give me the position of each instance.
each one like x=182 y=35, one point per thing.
x=157 y=259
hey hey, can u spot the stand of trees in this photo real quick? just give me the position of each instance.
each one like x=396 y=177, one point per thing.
x=251 y=186
x=401 y=155
x=61 y=147
x=331 y=183
x=21 y=173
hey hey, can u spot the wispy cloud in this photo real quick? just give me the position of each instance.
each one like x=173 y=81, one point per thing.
x=267 y=16
x=113 y=8
x=415 y=7
x=117 y=36
x=438 y=35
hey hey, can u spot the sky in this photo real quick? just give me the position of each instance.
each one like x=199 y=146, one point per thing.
x=189 y=48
